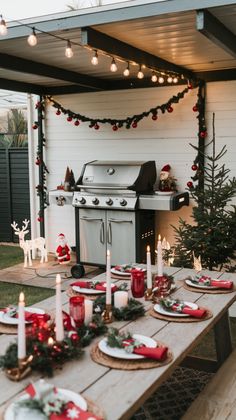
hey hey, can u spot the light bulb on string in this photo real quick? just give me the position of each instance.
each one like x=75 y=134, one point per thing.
x=169 y=79
x=140 y=74
x=175 y=79
x=94 y=59
x=32 y=39
x=3 y=26
x=69 y=52
x=161 y=79
x=154 y=77
x=113 y=66
x=126 y=71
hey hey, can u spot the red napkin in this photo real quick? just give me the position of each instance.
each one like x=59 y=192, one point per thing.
x=87 y=285
x=223 y=284
x=157 y=353
x=31 y=316
x=72 y=411
x=196 y=313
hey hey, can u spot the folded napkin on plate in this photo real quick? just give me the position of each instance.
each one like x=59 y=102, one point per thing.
x=157 y=353
x=29 y=316
x=208 y=281
x=72 y=411
x=91 y=285
x=185 y=309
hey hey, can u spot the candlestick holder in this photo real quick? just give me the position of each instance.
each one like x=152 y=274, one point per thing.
x=21 y=371
x=107 y=314
x=148 y=295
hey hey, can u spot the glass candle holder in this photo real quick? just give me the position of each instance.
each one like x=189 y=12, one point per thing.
x=162 y=284
x=137 y=283
x=76 y=309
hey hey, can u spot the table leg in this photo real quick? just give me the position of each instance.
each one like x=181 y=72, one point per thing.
x=223 y=340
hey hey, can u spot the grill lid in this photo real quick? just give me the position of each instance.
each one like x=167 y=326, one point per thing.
x=139 y=176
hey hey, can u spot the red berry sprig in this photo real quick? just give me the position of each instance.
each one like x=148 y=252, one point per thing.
x=189 y=184
x=194 y=167
x=170 y=109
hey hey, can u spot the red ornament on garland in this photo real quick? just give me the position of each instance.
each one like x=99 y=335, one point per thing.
x=154 y=117
x=40 y=219
x=76 y=122
x=190 y=86
x=96 y=126
x=134 y=124
x=58 y=112
x=195 y=108
x=35 y=126
x=38 y=161
x=203 y=134
x=194 y=167
x=170 y=109
x=190 y=184
x=74 y=337
x=114 y=128
x=69 y=119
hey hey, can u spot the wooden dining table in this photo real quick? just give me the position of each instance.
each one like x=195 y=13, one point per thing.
x=119 y=393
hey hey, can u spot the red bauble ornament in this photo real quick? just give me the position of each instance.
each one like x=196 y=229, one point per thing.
x=58 y=112
x=170 y=109
x=190 y=86
x=35 y=126
x=194 y=167
x=38 y=161
x=134 y=124
x=96 y=126
x=154 y=117
x=203 y=134
x=114 y=128
x=190 y=184
x=69 y=119
x=74 y=337
x=76 y=122
x=195 y=108
x=40 y=219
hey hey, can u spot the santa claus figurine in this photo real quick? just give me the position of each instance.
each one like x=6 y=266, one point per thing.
x=167 y=182
x=63 y=250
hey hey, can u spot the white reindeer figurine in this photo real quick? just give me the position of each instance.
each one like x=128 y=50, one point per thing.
x=30 y=245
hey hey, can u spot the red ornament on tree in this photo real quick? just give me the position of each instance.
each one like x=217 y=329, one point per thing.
x=69 y=119
x=38 y=161
x=195 y=108
x=35 y=126
x=114 y=128
x=76 y=122
x=194 y=167
x=190 y=184
x=58 y=112
x=154 y=117
x=96 y=126
x=203 y=134
x=170 y=109
x=40 y=219
x=134 y=124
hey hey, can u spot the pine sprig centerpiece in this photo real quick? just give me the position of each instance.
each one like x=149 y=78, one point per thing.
x=122 y=340
x=168 y=304
x=132 y=311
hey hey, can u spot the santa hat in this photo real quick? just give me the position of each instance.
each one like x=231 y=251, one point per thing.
x=166 y=168
x=61 y=235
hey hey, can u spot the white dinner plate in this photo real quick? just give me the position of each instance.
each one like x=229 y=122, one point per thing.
x=160 y=310
x=6 y=319
x=121 y=353
x=13 y=413
x=164 y=192
x=200 y=285
x=89 y=291
x=124 y=273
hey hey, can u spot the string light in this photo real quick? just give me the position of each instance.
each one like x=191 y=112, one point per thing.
x=126 y=71
x=140 y=74
x=113 y=67
x=32 y=39
x=161 y=79
x=175 y=79
x=94 y=59
x=154 y=77
x=169 y=79
x=3 y=26
x=69 y=52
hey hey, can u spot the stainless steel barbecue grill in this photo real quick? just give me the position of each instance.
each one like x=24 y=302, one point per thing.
x=115 y=207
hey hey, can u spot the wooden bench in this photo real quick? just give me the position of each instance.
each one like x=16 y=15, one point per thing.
x=218 y=399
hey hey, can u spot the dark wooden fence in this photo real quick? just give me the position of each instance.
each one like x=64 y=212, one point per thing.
x=14 y=190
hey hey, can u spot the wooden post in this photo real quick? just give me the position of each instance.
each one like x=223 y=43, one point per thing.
x=41 y=169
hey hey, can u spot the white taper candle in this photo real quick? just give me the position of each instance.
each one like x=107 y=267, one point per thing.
x=21 y=352
x=59 y=316
x=108 y=278
x=149 y=272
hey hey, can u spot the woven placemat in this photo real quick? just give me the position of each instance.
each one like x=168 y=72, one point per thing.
x=122 y=278
x=211 y=291
x=155 y=314
x=123 y=364
x=8 y=329
x=70 y=292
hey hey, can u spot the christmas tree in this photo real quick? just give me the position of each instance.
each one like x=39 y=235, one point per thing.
x=212 y=236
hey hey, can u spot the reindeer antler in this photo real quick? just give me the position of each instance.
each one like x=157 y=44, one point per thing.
x=14 y=225
x=25 y=224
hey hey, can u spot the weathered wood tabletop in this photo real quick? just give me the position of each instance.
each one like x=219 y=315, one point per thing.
x=120 y=393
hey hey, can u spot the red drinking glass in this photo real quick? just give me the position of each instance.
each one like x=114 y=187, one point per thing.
x=137 y=283
x=77 y=311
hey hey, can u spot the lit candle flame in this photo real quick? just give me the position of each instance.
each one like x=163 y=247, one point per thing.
x=50 y=342
x=108 y=253
x=159 y=237
x=21 y=297
x=148 y=248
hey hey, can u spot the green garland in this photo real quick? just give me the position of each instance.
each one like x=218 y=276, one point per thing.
x=132 y=311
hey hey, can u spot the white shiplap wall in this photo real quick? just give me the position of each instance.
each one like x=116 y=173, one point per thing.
x=165 y=140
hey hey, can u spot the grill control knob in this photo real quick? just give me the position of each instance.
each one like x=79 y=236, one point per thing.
x=123 y=202
x=76 y=200
x=109 y=202
x=82 y=200
x=95 y=201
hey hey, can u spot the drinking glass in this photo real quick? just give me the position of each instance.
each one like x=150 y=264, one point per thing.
x=162 y=286
x=76 y=309
x=137 y=283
